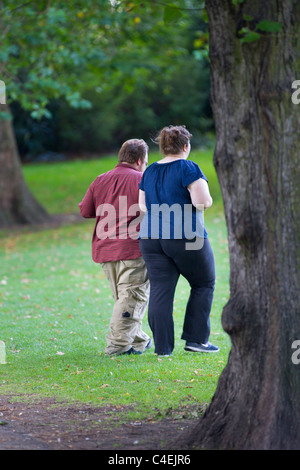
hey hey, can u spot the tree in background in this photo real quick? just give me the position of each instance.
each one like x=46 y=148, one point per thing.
x=254 y=56
x=158 y=76
x=43 y=45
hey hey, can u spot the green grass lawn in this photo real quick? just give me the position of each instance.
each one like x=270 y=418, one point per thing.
x=56 y=305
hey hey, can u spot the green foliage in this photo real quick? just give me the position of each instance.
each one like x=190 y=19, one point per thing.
x=48 y=48
x=248 y=35
x=269 y=26
x=124 y=69
x=253 y=31
x=172 y=14
x=45 y=45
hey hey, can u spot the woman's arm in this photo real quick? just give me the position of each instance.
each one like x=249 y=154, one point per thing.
x=142 y=201
x=200 y=194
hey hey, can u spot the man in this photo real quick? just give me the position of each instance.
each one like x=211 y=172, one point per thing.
x=113 y=199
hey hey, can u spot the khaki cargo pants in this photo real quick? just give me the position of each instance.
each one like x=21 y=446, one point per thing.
x=130 y=286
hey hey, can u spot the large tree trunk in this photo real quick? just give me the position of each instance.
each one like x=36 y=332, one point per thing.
x=17 y=204
x=257 y=401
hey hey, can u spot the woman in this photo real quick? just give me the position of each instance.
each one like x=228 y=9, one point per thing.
x=173 y=194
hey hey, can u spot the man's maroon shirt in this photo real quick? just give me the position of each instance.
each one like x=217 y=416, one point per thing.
x=114 y=243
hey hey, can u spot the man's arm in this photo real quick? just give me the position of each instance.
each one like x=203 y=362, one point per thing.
x=87 y=206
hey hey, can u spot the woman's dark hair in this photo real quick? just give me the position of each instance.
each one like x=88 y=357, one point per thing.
x=132 y=150
x=171 y=139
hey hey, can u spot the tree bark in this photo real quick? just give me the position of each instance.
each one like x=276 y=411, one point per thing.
x=17 y=204
x=257 y=401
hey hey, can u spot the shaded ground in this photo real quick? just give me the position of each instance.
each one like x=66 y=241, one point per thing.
x=48 y=425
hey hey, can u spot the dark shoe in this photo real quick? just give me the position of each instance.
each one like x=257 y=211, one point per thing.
x=199 y=347
x=132 y=351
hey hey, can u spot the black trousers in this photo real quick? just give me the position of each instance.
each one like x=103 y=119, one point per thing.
x=166 y=260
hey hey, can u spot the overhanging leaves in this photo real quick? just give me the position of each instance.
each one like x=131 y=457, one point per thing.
x=172 y=14
x=269 y=26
